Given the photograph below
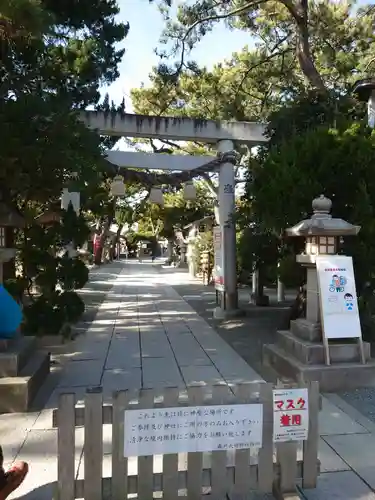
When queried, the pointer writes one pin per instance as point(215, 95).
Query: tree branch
point(300, 13)
point(210, 184)
point(216, 17)
point(264, 61)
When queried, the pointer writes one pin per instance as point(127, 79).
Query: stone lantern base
point(299, 355)
point(23, 371)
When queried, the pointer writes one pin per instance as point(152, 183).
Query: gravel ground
point(362, 399)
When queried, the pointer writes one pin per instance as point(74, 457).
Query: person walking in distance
point(11, 479)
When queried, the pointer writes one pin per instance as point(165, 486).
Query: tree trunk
point(170, 250)
point(99, 253)
point(9, 268)
point(300, 12)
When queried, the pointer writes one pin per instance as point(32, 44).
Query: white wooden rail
point(223, 474)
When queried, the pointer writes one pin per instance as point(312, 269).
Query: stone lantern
point(118, 186)
point(156, 196)
point(322, 233)
point(365, 92)
point(299, 352)
point(189, 193)
point(10, 219)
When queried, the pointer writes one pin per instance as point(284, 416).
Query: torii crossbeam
point(152, 161)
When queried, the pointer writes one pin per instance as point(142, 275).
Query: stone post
point(227, 226)
point(312, 295)
point(254, 282)
point(280, 287)
point(280, 291)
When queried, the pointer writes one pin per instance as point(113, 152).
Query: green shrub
point(16, 287)
point(43, 317)
point(72, 305)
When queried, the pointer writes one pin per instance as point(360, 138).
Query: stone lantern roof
point(363, 88)
point(322, 223)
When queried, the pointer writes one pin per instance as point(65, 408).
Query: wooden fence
point(223, 474)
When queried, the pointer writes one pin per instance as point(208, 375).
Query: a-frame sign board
point(338, 302)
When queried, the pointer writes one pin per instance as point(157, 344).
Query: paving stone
point(193, 357)
point(14, 431)
point(332, 421)
point(201, 375)
point(128, 342)
point(184, 342)
point(122, 331)
point(233, 379)
point(159, 371)
point(358, 451)
point(156, 349)
point(123, 359)
point(344, 485)
point(82, 373)
point(330, 461)
point(118, 380)
point(86, 349)
point(40, 450)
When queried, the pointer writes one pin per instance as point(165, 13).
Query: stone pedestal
point(23, 370)
point(299, 354)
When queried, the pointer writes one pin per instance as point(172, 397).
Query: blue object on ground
point(10, 315)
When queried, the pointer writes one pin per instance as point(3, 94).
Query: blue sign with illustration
point(10, 315)
point(338, 283)
point(349, 301)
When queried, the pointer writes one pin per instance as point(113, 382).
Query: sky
point(146, 25)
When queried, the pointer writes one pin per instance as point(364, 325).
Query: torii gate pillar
point(229, 303)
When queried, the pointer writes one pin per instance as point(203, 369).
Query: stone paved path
point(146, 335)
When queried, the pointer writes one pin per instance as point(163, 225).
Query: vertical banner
point(218, 259)
point(338, 297)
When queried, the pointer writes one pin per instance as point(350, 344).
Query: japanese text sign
point(162, 431)
point(338, 297)
point(218, 259)
point(290, 415)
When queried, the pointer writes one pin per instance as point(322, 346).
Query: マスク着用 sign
point(290, 415)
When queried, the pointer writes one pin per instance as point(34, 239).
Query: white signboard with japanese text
point(162, 431)
point(338, 297)
point(290, 415)
point(218, 259)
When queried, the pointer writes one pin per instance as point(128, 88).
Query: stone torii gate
point(224, 134)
